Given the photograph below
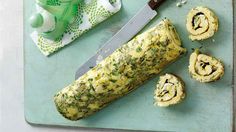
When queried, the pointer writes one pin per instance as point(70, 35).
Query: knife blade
point(127, 32)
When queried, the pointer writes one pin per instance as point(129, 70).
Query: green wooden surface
point(208, 107)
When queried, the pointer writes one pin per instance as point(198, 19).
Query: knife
point(142, 18)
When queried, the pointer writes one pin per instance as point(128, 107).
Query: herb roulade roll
point(205, 68)
point(202, 23)
point(120, 73)
point(169, 91)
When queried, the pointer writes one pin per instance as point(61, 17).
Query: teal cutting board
point(208, 106)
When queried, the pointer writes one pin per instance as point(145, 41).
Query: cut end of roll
point(202, 23)
point(205, 68)
point(120, 73)
point(169, 91)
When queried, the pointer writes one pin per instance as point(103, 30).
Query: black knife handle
point(154, 4)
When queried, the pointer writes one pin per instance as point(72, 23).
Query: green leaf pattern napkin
point(90, 13)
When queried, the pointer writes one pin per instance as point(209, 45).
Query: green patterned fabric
point(90, 13)
point(53, 2)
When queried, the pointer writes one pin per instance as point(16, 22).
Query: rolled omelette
point(205, 68)
point(120, 73)
point(169, 91)
point(202, 23)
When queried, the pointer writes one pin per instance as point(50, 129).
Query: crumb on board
point(178, 4)
point(99, 59)
point(181, 3)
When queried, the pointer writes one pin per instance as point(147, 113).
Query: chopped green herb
point(90, 79)
point(113, 80)
point(139, 49)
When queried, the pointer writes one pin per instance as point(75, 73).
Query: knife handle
point(154, 4)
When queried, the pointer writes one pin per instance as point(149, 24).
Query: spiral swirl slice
point(169, 91)
point(202, 23)
point(205, 68)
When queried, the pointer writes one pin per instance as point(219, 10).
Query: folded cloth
point(90, 13)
